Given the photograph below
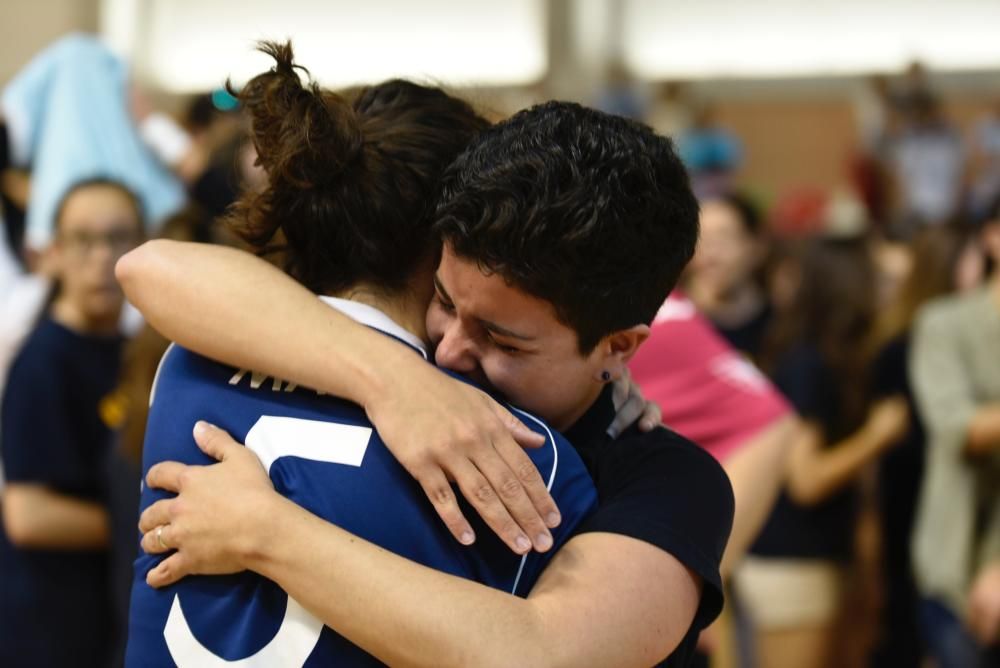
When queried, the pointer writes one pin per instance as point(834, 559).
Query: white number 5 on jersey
point(272, 438)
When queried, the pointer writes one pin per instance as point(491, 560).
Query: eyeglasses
point(82, 244)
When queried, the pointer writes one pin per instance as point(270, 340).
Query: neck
point(407, 310)
point(71, 316)
point(571, 419)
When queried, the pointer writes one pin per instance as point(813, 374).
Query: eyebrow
point(491, 326)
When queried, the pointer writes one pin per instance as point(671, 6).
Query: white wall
point(27, 26)
point(806, 38)
point(190, 45)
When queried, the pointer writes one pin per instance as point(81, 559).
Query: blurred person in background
point(711, 153)
point(794, 584)
point(621, 94)
point(55, 607)
point(945, 259)
point(68, 118)
point(984, 149)
point(927, 163)
point(125, 410)
point(670, 108)
point(874, 118)
point(711, 394)
point(955, 371)
point(724, 278)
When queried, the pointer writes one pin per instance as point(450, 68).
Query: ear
point(618, 348)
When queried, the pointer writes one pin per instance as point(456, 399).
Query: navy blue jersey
point(322, 453)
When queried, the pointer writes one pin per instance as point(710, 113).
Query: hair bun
point(305, 137)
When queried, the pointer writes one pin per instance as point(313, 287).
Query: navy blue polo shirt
point(55, 604)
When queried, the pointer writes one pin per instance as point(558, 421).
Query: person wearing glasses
point(54, 602)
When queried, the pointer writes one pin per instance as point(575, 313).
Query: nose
point(457, 350)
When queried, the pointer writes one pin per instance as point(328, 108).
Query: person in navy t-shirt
point(55, 607)
point(320, 451)
point(564, 229)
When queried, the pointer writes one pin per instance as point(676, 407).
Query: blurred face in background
point(97, 225)
point(894, 262)
point(970, 268)
point(728, 254)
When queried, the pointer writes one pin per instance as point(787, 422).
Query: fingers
point(167, 572)
point(520, 432)
point(158, 540)
point(534, 486)
point(214, 442)
point(507, 479)
point(159, 513)
point(627, 414)
point(168, 476)
point(652, 417)
point(439, 491)
point(486, 500)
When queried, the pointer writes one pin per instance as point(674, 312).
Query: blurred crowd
point(876, 315)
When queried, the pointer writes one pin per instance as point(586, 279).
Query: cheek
point(513, 379)
point(436, 321)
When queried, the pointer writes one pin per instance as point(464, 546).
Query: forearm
point(984, 431)
point(36, 517)
point(400, 611)
point(236, 308)
point(815, 472)
point(757, 473)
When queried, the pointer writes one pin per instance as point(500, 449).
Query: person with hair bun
point(346, 208)
point(563, 231)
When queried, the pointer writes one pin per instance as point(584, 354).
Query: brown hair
point(833, 310)
point(351, 179)
point(936, 251)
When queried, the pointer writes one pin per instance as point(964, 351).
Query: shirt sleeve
point(38, 444)
point(664, 490)
point(941, 385)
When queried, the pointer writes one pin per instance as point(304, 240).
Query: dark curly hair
point(588, 211)
point(351, 178)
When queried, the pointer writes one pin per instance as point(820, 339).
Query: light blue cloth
point(68, 119)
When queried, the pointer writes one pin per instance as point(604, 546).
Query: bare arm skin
point(984, 431)
point(815, 472)
point(404, 613)
point(757, 473)
point(36, 517)
point(983, 614)
point(236, 308)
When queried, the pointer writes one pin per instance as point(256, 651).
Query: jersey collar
point(376, 319)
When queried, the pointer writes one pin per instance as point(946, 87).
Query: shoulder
point(670, 462)
point(660, 483)
point(41, 356)
point(943, 319)
point(950, 310)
